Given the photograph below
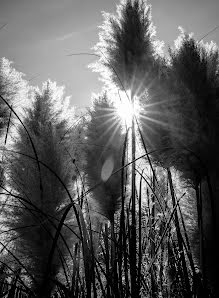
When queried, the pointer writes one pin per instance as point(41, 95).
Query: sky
point(38, 36)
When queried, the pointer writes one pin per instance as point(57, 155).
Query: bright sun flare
point(125, 108)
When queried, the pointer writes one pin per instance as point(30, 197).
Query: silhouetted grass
point(99, 262)
point(100, 258)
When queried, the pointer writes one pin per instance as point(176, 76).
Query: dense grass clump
point(95, 207)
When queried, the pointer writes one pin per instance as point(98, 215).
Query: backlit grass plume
point(35, 220)
point(126, 47)
point(195, 68)
point(103, 156)
point(182, 111)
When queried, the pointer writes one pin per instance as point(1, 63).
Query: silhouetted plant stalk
point(122, 249)
point(140, 234)
point(152, 237)
point(179, 238)
point(200, 227)
point(132, 243)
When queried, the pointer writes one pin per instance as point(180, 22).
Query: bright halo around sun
point(125, 109)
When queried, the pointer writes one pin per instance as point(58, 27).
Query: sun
point(126, 109)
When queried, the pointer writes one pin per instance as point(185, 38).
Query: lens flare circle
point(107, 168)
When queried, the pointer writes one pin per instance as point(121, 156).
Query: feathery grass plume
point(103, 155)
point(126, 47)
point(182, 113)
point(195, 67)
point(36, 222)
